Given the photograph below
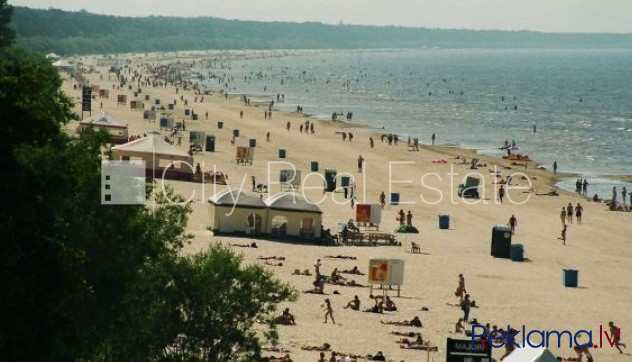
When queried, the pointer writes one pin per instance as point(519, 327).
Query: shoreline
point(556, 181)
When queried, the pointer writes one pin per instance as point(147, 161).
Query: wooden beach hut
point(233, 211)
point(290, 215)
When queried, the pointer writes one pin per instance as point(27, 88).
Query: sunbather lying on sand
point(354, 270)
point(274, 264)
point(285, 358)
point(415, 322)
point(341, 257)
point(272, 257)
point(405, 334)
point(253, 245)
point(419, 347)
point(275, 349)
point(324, 347)
point(407, 341)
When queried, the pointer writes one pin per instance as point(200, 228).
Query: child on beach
point(563, 237)
point(329, 311)
point(563, 216)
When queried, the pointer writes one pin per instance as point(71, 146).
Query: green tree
point(213, 309)
point(6, 32)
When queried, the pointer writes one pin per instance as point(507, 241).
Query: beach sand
point(530, 293)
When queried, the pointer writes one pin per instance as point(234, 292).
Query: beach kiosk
point(104, 121)
point(386, 272)
point(369, 215)
point(234, 211)
point(161, 158)
point(291, 216)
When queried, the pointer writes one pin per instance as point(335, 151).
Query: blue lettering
point(474, 335)
point(541, 333)
point(589, 333)
point(559, 338)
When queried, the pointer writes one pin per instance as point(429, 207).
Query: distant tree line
point(81, 32)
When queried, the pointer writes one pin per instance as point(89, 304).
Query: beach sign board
point(86, 98)
point(386, 271)
point(461, 350)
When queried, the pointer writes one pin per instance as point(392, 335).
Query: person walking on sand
point(350, 136)
point(401, 217)
point(579, 210)
point(585, 187)
point(241, 114)
point(513, 222)
point(615, 332)
point(300, 128)
point(460, 289)
point(614, 194)
point(433, 139)
point(569, 213)
point(466, 304)
point(329, 312)
point(563, 215)
point(265, 115)
point(344, 136)
point(383, 199)
point(288, 125)
point(501, 193)
point(555, 167)
point(409, 218)
point(317, 266)
point(267, 136)
point(563, 237)
point(371, 142)
point(360, 162)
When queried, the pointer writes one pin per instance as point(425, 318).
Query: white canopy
point(288, 201)
point(104, 119)
point(153, 144)
point(530, 354)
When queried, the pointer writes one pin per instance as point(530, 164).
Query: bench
point(415, 248)
point(375, 237)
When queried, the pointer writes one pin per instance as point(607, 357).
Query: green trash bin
point(330, 179)
point(501, 241)
point(210, 143)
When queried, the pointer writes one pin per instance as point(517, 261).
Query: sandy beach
point(527, 293)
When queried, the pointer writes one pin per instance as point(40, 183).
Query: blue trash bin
point(394, 198)
point(252, 142)
point(517, 252)
point(220, 124)
point(570, 277)
point(235, 133)
point(444, 221)
point(314, 166)
point(281, 153)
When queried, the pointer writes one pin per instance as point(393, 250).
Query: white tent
point(233, 211)
point(289, 214)
point(104, 121)
point(530, 354)
point(158, 156)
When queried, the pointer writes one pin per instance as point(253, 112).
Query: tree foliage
point(78, 276)
point(84, 33)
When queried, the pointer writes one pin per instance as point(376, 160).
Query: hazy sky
point(545, 15)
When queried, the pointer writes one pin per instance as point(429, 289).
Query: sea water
point(580, 101)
